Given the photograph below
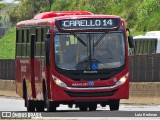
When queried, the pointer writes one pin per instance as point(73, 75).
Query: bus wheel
point(92, 107)
point(70, 105)
point(103, 104)
point(25, 94)
point(30, 104)
point(40, 106)
point(83, 107)
point(51, 106)
point(114, 104)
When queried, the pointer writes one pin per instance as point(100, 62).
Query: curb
point(7, 85)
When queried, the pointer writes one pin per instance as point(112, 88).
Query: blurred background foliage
point(140, 15)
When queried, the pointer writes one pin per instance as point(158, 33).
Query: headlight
point(59, 82)
point(122, 80)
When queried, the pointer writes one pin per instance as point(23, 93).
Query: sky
point(8, 1)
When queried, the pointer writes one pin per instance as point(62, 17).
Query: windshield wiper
point(100, 38)
point(79, 39)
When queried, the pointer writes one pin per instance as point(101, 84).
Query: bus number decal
point(23, 68)
point(109, 22)
point(94, 23)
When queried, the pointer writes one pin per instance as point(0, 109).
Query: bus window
point(154, 46)
point(74, 56)
point(137, 48)
point(145, 45)
point(19, 41)
point(38, 42)
point(141, 47)
point(27, 43)
point(71, 48)
point(66, 50)
point(24, 45)
point(44, 31)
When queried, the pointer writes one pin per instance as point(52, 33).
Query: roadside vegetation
point(141, 16)
point(7, 44)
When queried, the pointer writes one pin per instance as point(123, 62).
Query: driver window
point(71, 49)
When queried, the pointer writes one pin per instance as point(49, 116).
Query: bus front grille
point(91, 94)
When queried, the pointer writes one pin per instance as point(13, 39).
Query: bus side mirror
point(47, 42)
point(131, 41)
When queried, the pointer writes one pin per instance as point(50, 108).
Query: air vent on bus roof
point(62, 13)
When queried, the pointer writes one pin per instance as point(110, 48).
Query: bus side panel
point(19, 85)
point(23, 74)
point(38, 78)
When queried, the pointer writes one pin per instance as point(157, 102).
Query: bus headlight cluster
point(59, 82)
point(122, 80)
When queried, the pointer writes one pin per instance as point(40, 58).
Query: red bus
point(74, 58)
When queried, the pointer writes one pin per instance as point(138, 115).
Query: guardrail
point(7, 69)
point(143, 68)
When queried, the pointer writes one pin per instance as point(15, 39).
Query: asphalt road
point(126, 110)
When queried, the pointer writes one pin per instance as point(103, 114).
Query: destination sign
point(89, 23)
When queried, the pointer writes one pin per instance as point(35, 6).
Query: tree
point(27, 9)
point(2, 15)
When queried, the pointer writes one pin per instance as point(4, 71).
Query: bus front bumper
point(62, 92)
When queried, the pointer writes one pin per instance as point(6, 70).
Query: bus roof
point(149, 35)
point(49, 17)
point(58, 14)
point(145, 37)
point(153, 33)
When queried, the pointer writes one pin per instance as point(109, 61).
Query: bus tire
point(92, 107)
point(51, 106)
point(25, 94)
point(114, 105)
point(40, 106)
point(83, 107)
point(30, 104)
point(103, 104)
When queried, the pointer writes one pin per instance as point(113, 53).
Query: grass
point(7, 44)
point(135, 32)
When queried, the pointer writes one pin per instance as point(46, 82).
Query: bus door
point(47, 61)
point(36, 66)
point(32, 65)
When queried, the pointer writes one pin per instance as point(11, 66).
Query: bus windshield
point(89, 51)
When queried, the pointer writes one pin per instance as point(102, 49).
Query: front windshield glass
point(89, 51)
